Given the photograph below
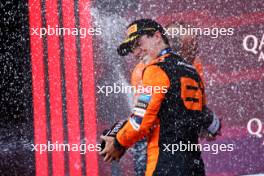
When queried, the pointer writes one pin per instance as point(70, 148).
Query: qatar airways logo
point(255, 128)
point(255, 46)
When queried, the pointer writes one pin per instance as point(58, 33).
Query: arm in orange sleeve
point(146, 108)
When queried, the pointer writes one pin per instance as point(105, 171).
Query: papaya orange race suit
point(168, 118)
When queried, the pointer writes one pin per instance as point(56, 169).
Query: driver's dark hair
point(163, 36)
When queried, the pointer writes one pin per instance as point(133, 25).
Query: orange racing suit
point(168, 117)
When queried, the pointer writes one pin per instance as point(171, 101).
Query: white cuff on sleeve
point(215, 125)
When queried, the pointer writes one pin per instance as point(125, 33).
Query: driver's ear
point(157, 35)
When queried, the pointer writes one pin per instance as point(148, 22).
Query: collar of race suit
point(166, 51)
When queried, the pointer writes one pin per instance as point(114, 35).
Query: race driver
point(176, 116)
point(186, 46)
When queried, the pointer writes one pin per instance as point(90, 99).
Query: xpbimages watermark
point(212, 32)
point(82, 148)
point(127, 89)
point(82, 32)
point(189, 147)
